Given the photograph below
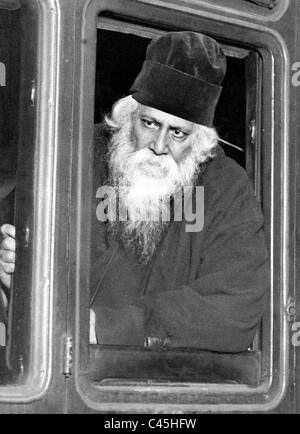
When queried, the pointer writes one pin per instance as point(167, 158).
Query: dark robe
point(205, 289)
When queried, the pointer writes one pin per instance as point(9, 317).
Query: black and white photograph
point(149, 185)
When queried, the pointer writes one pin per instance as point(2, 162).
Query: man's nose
point(159, 145)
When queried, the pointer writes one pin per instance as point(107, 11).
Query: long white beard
point(151, 181)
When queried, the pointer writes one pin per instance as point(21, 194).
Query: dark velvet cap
point(182, 75)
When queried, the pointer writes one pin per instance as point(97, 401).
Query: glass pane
point(18, 35)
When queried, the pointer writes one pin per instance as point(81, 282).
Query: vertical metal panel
point(253, 121)
point(295, 338)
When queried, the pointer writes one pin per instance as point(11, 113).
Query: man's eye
point(148, 124)
point(178, 134)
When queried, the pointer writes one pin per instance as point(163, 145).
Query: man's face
point(153, 154)
point(163, 134)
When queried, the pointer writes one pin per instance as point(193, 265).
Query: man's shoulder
point(226, 184)
point(224, 176)
point(224, 170)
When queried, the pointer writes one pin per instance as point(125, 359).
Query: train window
point(24, 164)
point(244, 123)
point(237, 106)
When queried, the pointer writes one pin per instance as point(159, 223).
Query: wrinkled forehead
point(165, 118)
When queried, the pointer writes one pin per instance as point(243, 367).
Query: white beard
point(151, 181)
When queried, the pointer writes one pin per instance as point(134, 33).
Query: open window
point(237, 121)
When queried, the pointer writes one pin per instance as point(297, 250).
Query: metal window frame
point(231, 8)
point(265, 3)
point(275, 137)
point(36, 383)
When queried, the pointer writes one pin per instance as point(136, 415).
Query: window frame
point(43, 96)
point(274, 53)
point(247, 10)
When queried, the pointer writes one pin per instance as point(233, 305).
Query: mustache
point(146, 157)
point(126, 162)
